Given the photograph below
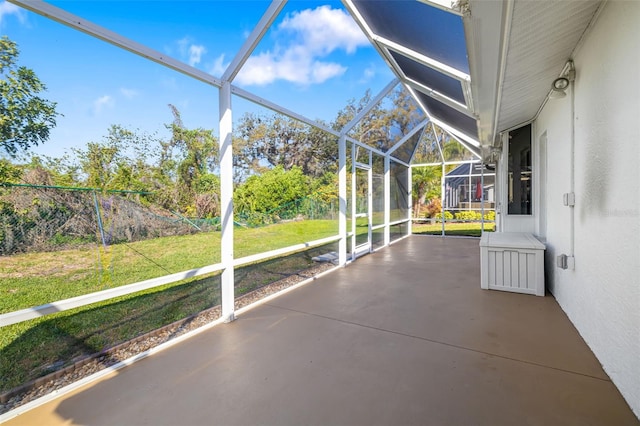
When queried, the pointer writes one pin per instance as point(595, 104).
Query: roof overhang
point(517, 49)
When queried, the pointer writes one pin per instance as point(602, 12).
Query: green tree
point(9, 172)
point(270, 190)
point(386, 123)
point(184, 174)
point(374, 128)
point(99, 163)
point(264, 142)
point(64, 171)
point(406, 113)
point(120, 161)
point(196, 148)
point(426, 184)
point(428, 150)
point(353, 107)
point(325, 187)
point(25, 118)
point(454, 151)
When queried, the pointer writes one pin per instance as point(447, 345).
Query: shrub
point(475, 216)
point(434, 207)
point(274, 188)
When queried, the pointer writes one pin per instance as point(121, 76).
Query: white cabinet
point(512, 261)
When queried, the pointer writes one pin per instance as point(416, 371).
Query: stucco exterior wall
point(602, 295)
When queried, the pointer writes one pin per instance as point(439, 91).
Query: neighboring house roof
point(461, 173)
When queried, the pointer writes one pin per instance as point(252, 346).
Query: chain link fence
point(46, 218)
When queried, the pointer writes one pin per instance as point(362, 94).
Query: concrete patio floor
point(402, 336)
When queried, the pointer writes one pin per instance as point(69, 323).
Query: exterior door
point(361, 226)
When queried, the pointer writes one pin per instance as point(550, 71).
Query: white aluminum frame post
point(226, 203)
point(342, 200)
point(387, 199)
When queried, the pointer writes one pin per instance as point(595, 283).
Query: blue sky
point(312, 61)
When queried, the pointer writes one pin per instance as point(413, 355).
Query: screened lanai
point(374, 179)
point(418, 108)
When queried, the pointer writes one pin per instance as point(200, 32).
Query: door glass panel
point(377, 189)
point(362, 207)
point(519, 180)
point(362, 186)
point(362, 155)
point(362, 231)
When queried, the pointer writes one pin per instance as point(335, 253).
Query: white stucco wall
point(602, 295)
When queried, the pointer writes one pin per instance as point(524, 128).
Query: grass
point(472, 229)
point(34, 279)
point(34, 348)
point(37, 347)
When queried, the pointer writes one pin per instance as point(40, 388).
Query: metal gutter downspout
point(508, 18)
point(572, 181)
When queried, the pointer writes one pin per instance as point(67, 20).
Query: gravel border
point(94, 363)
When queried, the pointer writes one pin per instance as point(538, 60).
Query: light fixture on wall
point(561, 83)
point(558, 88)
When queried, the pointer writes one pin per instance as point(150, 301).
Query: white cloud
point(368, 74)
point(7, 9)
point(195, 54)
point(183, 45)
point(323, 71)
point(128, 93)
point(219, 66)
point(323, 30)
point(103, 102)
point(300, 69)
point(188, 50)
point(308, 36)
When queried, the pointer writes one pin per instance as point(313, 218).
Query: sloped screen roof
point(429, 77)
point(406, 150)
point(452, 117)
point(424, 29)
point(426, 48)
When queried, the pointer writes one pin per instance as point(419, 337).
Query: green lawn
point(472, 229)
point(34, 348)
point(33, 279)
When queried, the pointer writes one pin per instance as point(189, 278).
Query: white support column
point(370, 202)
point(482, 198)
point(226, 202)
point(342, 197)
point(387, 199)
point(409, 201)
point(442, 179)
point(443, 194)
point(353, 202)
